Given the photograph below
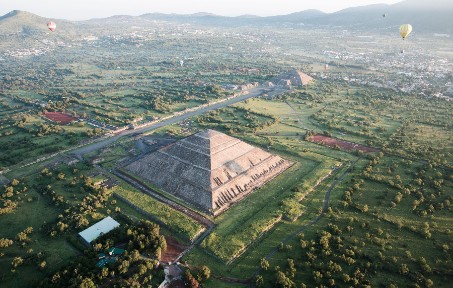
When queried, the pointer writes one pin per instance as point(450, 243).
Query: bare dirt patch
point(59, 117)
point(341, 144)
point(174, 248)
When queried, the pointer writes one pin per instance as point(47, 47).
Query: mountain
point(425, 16)
point(22, 22)
point(432, 16)
point(297, 17)
point(243, 20)
point(27, 25)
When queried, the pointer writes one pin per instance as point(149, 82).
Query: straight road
point(255, 92)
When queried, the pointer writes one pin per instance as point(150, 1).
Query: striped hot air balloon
point(405, 30)
point(51, 25)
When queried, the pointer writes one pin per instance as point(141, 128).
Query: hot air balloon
point(51, 25)
point(181, 62)
point(405, 30)
point(231, 48)
point(384, 15)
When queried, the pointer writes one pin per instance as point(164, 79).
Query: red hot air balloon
point(51, 25)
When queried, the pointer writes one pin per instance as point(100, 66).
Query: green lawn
point(185, 227)
point(56, 251)
point(238, 227)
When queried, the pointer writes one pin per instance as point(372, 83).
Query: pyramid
point(294, 78)
point(210, 170)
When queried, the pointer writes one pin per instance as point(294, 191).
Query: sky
point(87, 9)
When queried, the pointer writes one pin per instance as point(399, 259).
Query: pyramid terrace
point(210, 170)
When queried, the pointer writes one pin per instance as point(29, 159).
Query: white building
point(100, 228)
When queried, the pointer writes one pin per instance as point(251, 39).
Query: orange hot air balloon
point(51, 25)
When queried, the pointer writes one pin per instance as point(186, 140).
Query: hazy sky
point(86, 9)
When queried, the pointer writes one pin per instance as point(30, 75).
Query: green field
point(26, 137)
point(239, 227)
point(295, 116)
point(177, 222)
point(389, 214)
point(42, 211)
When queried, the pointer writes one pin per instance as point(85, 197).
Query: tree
point(365, 208)
point(429, 283)
point(17, 261)
point(259, 281)
point(404, 269)
point(283, 281)
point(14, 182)
point(142, 269)
point(205, 272)
point(22, 236)
point(5, 242)
point(190, 280)
point(42, 265)
point(291, 271)
point(264, 264)
point(87, 283)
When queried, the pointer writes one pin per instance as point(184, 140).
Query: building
point(209, 170)
point(173, 277)
point(292, 78)
point(112, 256)
point(100, 228)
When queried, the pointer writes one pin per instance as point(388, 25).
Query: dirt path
point(192, 214)
point(173, 251)
point(318, 218)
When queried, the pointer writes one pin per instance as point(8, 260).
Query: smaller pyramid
point(210, 169)
point(292, 78)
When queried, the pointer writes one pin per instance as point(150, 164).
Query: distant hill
point(295, 18)
point(25, 25)
point(243, 20)
point(434, 16)
point(22, 22)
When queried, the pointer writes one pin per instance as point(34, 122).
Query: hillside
point(425, 17)
point(28, 24)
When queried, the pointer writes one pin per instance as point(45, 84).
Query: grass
point(396, 233)
point(39, 211)
point(246, 265)
point(408, 126)
point(238, 227)
point(28, 143)
point(57, 252)
point(172, 219)
point(163, 193)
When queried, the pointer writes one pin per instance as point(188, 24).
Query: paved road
point(255, 92)
point(106, 141)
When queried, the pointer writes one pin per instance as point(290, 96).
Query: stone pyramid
point(294, 78)
point(210, 170)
